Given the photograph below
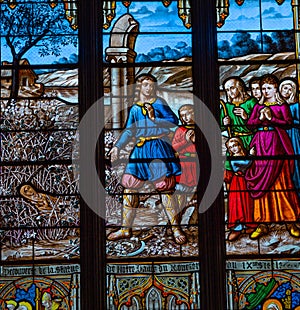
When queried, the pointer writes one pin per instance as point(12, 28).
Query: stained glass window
point(259, 104)
point(144, 61)
point(39, 194)
point(151, 172)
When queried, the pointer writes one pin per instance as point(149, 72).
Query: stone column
point(119, 53)
point(296, 13)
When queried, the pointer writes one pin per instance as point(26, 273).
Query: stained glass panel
point(263, 284)
point(154, 286)
point(153, 16)
point(40, 287)
point(259, 74)
point(261, 183)
point(39, 214)
point(256, 27)
point(36, 146)
point(37, 31)
point(44, 243)
point(146, 218)
point(151, 20)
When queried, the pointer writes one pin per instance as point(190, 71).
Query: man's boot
point(130, 204)
point(171, 207)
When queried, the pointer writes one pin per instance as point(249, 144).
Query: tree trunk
point(15, 84)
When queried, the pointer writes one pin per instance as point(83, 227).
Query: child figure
point(184, 145)
point(240, 203)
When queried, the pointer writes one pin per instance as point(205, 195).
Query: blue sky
point(246, 17)
point(154, 17)
point(33, 56)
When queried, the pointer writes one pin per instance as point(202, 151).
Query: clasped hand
point(265, 114)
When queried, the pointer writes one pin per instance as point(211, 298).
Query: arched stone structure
point(121, 50)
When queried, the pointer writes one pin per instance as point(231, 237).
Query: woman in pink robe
point(269, 179)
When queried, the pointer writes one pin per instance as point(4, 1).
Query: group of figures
point(46, 303)
point(164, 155)
point(262, 172)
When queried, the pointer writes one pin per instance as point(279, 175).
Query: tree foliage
point(242, 44)
point(35, 24)
point(166, 53)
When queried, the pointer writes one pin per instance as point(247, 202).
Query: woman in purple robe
point(269, 178)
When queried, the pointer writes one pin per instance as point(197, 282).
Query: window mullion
point(93, 291)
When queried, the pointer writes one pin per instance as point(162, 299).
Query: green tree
point(242, 44)
point(284, 40)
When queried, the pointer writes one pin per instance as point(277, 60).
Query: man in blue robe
point(152, 158)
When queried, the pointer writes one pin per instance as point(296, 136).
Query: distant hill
point(179, 78)
point(247, 71)
point(59, 78)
